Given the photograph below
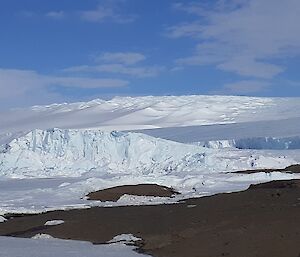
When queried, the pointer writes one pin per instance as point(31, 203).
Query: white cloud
point(201, 8)
point(56, 15)
point(242, 36)
point(118, 69)
point(108, 11)
point(79, 82)
point(193, 29)
point(192, 8)
point(97, 15)
point(251, 67)
point(208, 53)
point(176, 68)
point(18, 82)
point(245, 87)
point(26, 14)
point(127, 58)
point(30, 86)
point(126, 63)
point(102, 13)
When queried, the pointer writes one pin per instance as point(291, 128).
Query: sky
point(77, 50)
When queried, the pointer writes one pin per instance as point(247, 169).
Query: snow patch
point(26, 247)
point(124, 238)
point(42, 236)
point(53, 222)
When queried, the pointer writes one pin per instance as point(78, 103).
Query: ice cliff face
point(57, 152)
point(73, 152)
point(285, 143)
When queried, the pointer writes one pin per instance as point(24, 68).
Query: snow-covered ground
point(123, 113)
point(46, 168)
point(52, 156)
point(38, 195)
point(55, 168)
point(49, 247)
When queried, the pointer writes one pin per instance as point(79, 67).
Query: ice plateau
point(148, 112)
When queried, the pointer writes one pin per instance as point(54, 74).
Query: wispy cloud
point(97, 15)
point(19, 85)
point(127, 58)
point(56, 15)
point(10, 78)
point(103, 13)
point(81, 82)
point(118, 69)
point(106, 12)
point(191, 29)
point(25, 14)
point(243, 87)
point(246, 87)
point(244, 37)
point(199, 8)
point(250, 67)
point(126, 63)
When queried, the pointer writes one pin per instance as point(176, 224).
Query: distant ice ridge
point(273, 143)
point(59, 152)
point(133, 113)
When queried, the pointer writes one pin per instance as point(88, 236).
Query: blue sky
point(71, 50)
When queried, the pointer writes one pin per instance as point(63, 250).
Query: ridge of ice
point(274, 143)
point(59, 152)
point(128, 113)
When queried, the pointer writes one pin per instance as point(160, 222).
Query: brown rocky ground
point(263, 221)
point(290, 169)
point(114, 193)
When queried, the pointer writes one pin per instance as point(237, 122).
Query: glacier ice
point(273, 143)
point(63, 152)
point(73, 152)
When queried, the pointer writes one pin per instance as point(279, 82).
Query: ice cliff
point(58, 152)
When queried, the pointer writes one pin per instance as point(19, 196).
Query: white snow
point(71, 153)
point(46, 169)
point(282, 129)
point(124, 238)
point(53, 222)
point(39, 195)
point(49, 247)
point(189, 143)
point(254, 143)
point(42, 236)
point(127, 113)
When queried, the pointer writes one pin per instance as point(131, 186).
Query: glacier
point(52, 156)
point(274, 143)
point(149, 112)
point(63, 152)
